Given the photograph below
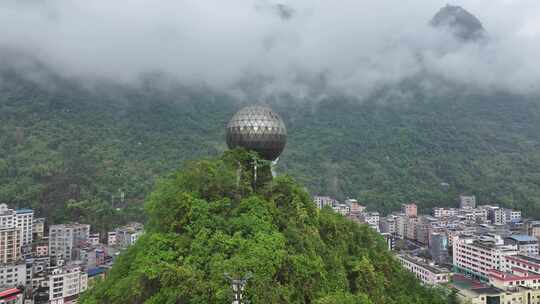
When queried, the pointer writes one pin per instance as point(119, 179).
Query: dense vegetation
point(71, 151)
point(204, 222)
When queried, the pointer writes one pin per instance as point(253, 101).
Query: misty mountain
point(460, 22)
point(74, 152)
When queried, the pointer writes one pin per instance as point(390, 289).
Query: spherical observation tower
point(259, 129)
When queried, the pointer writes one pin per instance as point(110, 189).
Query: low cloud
point(303, 46)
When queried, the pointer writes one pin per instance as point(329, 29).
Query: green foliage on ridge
point(62, 145)
point(204, 222)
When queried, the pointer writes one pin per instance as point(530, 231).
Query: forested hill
point(204, 224)
point(62, 144)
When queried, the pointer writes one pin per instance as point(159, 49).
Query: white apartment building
point(478, 257)
point(444, 212)
point(323, 201)
point(12, 275)
point(412, 229)
point(467, 202)
point(371, 218)
point(25, 222)
point(496, 215)
point(428, 274)
point(409, 209)
point(342, 209)
point(128, 234)
point(388, 224)
point(401, 225)
point(512, 216)
point(64, 238)
point(111, 238)
point(66, 283)
point(526, 244)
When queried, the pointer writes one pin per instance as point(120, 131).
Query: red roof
point(9, 292)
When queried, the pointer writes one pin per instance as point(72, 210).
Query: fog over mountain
point(351, 47)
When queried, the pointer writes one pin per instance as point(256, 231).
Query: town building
point(444, 212)
point(467, 202)
point(66, 283)
point(39, 228)
point(477, 256)
point(12, 275)
point(387, 224)
point(323, 201)
point(438, 247)
point(10, 236)
point(111, 238)
point(512, 216)
point(526, 244)
point(25, 222)
point(371, 219)
point(127, 235)
point(410, 210)
point(428, 273)
point(63, 239)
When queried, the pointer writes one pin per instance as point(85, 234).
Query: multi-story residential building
point(496, 215)
point(93, 239)
point(355, 207)
point(128, 234)
point(478, 256)
point(512, 216)
point(111, 238)
point(428, 274)
point(411, 210)
point(10, 236)
point(477, 215)
point(493, 295)
point(438, 247)
point(342, 209)
point(66, 283)
point(64, 238)
point(371, 219)
point(401, 225)
point(25, 221)
point(41, 248)
point(39, 228)
point(411, 231)
point(12, 275)
point(388, 224)
point(444, 212)
point(467, 202)
point(323, 201)
point(526, 244)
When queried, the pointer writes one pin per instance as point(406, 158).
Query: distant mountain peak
point(460, 22)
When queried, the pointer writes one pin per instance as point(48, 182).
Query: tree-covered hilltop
point(71, 151)
point(204, 222)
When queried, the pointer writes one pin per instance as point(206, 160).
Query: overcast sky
point(353, 45)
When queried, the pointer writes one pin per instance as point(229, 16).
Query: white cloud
point(354, 45)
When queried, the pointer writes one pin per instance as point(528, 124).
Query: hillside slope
point(96, 150)
point(204, 224)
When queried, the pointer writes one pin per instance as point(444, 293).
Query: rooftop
point(523, 238)
point(24, 211)
point(431, 268)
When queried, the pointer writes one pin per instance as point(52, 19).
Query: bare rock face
point(464, 25)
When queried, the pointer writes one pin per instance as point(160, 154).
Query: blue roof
point(95, 271)
point(24, 210)
point(523, 238)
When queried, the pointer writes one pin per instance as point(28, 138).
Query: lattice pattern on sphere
point(259, 129)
